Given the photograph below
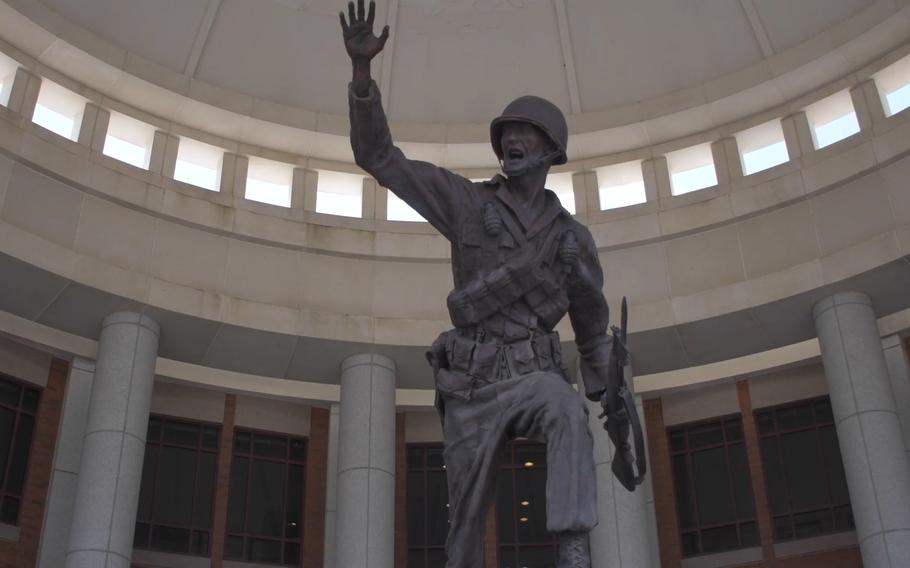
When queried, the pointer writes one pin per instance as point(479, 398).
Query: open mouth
point(515, 154)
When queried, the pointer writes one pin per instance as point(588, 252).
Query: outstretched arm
point(437, 194)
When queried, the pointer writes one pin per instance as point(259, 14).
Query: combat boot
point(573, 550)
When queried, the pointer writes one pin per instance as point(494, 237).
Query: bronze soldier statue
point(519, 262)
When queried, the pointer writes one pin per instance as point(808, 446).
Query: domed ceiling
point(460, 61)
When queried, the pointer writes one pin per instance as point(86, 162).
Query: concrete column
point(656, 176)
point(234, 169)
point(107, 493)
point(365, 524)
point(797, 135)
point(587, 196)
point(93, 129)
point(303, 189)
point(899, 373)
point(727, 163)
point(58, 515)
point(331, 489)
point(372, 203)
point(623, 538)
point(23, 95)
point(867, 103)
point(163, 159)
point(868, 429)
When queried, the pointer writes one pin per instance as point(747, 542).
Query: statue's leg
point(474, 437)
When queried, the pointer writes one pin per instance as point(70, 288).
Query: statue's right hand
point(358, 32)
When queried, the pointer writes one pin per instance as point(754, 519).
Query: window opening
point(339, 193)
point(713, 486)
point(807, 487)
point(398, 210)
point(762, 147)
point(266, 498)
point(521, 508)
point(59, 110)
point(620, 185)
point(691, 169)
point(129, 140)
point(7, 75)
point(561, 185)
point(893, 83)
point(428, 506)
point(178, 487)
point(18, 408)
point(832, 119)
point(198, 164)
point(269, 182)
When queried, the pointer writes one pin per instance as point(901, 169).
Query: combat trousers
point(540, 406)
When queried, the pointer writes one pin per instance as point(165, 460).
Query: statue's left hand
point(359, 40)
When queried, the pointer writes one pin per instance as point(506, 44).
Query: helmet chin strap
point(529, 166)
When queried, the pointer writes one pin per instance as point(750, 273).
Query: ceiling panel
point(160, 30)
point(628, 51)
point(790, 22)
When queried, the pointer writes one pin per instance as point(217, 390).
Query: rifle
point(621, 415)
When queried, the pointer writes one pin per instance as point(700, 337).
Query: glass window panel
point(154, 431)
point(141, 536)
point(147, 485)
point(536, 557)
point(712, 486)
point(173, 501)
point(205, 490)
point(836, 130)
point(265, 509)
point(270, 446)
point(416, 515)
point(437, 508)
point(30, 400)
point(210, 438)
point(436, 558)
point(507, 557)
point(834, 465)
point(705, 435)
point(415, 458)
point(291, 553)
point(181, 433)
point(748, 534)
point(530, 455)
point(237, 499)
point(678, 440)
point(398, 210)
point(530, 486)
point(718, 539)
point(733, 430)
point(783, 529)
point(505, 507)
point(804, 470)
point(7, 424)
point(242, 442)
point(294, 506)
point(823, 411)
point(765, 158)
point(843, 518)
point(200, 543)
point(794, 417)
point(9, 393)
point(170, 539)
point(765, 422)
point(298, 449)
point(685, 506)
point(898, 100)
point(263, 550)
point(233, 547)
point(434, 457)
point(416, 559)
point(814, 523)
point(9, 511)
point(690, 544)
point(774, 475)
point(742, 483)
point(19, 457)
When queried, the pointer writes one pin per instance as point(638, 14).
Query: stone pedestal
point(868, 429)
point(110, 470)
point(365, 525)
point(624, 537)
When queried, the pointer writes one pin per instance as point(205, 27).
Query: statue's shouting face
point(523, 146)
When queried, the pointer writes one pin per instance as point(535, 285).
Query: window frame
point(18, 410)
point(738, 519)
point(160, 443)
point(510, 466)
point(814, 426)
point(425, 469)
point(287, 461)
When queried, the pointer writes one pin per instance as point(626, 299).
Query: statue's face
point(522, 144)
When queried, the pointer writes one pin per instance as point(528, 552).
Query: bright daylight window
point(832, 119)
point(762, 147)
point(620, 185)
point(561, 185)
point(59, 110)
point(691, 169)
point(398, 210)
point(129, 140)
point(339, 194)
point(893, 84)
point(7, 75)
point(198, 164)
point(269, 182)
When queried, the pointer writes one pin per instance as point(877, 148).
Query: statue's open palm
point(358, 32)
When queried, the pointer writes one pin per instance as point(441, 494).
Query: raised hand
point(359, 40)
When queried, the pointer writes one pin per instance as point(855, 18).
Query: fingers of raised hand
point(372, 14)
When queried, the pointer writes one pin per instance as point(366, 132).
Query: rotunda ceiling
point(461, 61)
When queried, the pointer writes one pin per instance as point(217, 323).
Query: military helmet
point(536, 111)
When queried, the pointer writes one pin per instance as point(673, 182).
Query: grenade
point(568, 249)
point(492, 222)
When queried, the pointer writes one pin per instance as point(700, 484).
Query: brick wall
point(662, 482)
point(24, 553)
